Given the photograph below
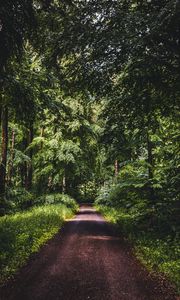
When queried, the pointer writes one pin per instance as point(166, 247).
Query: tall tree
point(4, 146)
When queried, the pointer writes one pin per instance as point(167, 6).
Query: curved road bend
point(86, 260)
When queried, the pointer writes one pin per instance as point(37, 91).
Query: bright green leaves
point(24, 233)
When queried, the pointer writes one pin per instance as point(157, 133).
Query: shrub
point(155, 244)
point(56, 198)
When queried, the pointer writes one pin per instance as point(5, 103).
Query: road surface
point(86, 260)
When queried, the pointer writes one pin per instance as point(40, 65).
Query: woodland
point(89, 112)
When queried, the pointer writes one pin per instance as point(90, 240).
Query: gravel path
point(85, 260)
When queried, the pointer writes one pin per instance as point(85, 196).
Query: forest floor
point(87, 259)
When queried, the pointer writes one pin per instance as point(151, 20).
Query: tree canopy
point(85, 84)
point(89, 109)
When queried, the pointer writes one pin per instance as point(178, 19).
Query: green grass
point(158, 252)
point(24, 233)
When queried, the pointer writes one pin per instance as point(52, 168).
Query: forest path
point(85, 260)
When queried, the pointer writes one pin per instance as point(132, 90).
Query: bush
point(152, 227)
point(103, 197)
point(16, 200)
point(87, 192)
point(155, 244)
point(6, 206)
point(21, 199)
point(56, 198)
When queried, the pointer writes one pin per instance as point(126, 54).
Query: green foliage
point(12, 31)
point(21, 198)
point(87, 192)
point(24, 233)
point(103, 196)
point(107, 91)
point(16, 200)
point(6, 206)
point(128, 187)
point(57, 198)
point(153, 230)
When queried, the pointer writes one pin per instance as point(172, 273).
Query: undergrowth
point(158, 252)
point(25, 232)
point(153, 230)
point(147, 213)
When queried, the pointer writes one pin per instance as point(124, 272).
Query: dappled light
point(89, 149)
point(86, 259)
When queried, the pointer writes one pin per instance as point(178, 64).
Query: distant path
point(85, 261)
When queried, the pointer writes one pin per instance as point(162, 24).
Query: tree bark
point(149, 157)
point(0, 113)
point(23, 167)
point(10, 170)
point(64, 183)
point(29, 174)
point(42, 135)
point(150, 167)
point(116, 167)
point(4, 148)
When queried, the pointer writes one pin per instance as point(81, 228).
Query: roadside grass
point(25, 232)
point(158, 252)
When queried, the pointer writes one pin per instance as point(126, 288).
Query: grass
point(158, 252)
point(24, 233)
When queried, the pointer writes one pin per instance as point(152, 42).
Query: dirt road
point(85, 261)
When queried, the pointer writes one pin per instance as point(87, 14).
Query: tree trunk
point(149, 157)
point(116, 167)
point(10, 170)
point(42, 135)
point(64, 183)
point(0, 113)
point(29, 174)
point(4, 148)
point(150, 167)
point(23, 167)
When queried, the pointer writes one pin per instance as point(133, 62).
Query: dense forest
point(89, 110)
